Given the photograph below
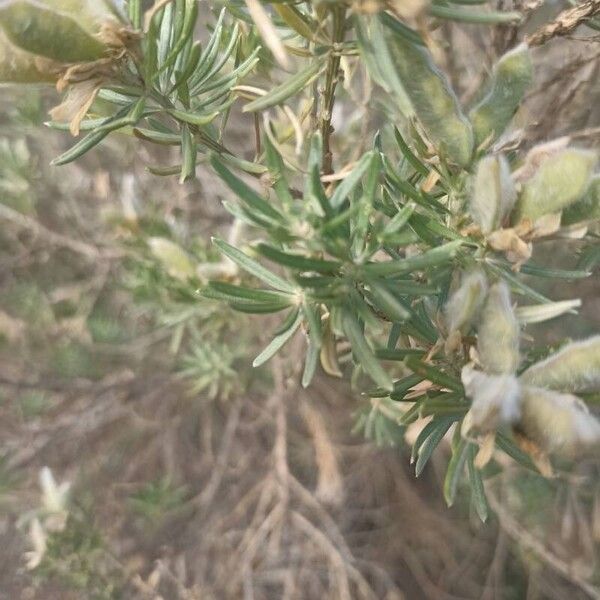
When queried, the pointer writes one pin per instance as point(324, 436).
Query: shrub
point(402, 249)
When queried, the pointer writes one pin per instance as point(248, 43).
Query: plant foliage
point(408, 261)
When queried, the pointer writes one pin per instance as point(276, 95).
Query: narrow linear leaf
point(477, 488)
point(545, 312)
point(351, 181)
point(439, 429)
point(436, 256)
point(278, 341)
point(188, 155)
point(244, 192)
point(254, 268)
point(455, 471)
point(432, 374)
point(363, 352)
point(296, 261)
point(288, 88)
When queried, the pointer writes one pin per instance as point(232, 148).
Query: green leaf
point(398, 354)
point(227, 291)
point(412, 159)
point(477, 488)
point(434, 375)
point(313, 318)
point(299, 22)
point(375, 51)
point(252, 267)
point(80, 148)
point(434, 257)
point(439, 428)
point(404, 385)
point(301, 263)
point(187, 29)
point(134, 9)
point(314, 187)
point(279, 340)
point(209, 55)
point(277, 172)
point(157, 137)
point(508, 446)
point(188, 154)
point(530, 268)
point(384, 300)
point(589, 258)
point(399, 220)
point(369, 161)
point(245, 193)
point(455, 470)
point(193, 118)
point(287, 89)
point(522, 288)
point(363, 352)
point(544, 312)
point(310, 364)
point(315, 336)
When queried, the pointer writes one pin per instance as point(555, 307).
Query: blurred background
point(128, 406)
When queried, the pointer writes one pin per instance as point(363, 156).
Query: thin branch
point(331, 80)
point(565, 22)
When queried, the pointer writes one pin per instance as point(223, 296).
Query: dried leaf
point(267, 31)
point(76, 104)
point(508, 241)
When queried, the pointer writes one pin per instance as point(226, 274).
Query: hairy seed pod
point(561, 179)
point(558, 423)
point(463, 306)
point(53, 30)
point(495, 401)
point(174, 259)
point(586, 209)
point(18, 66)
point(575, 368)
point(510, 79)
point(498, 332)
point(493, 193)
point(434, 101)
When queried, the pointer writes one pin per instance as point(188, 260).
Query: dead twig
point(565, 22)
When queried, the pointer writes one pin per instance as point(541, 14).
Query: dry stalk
point(567, 21)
